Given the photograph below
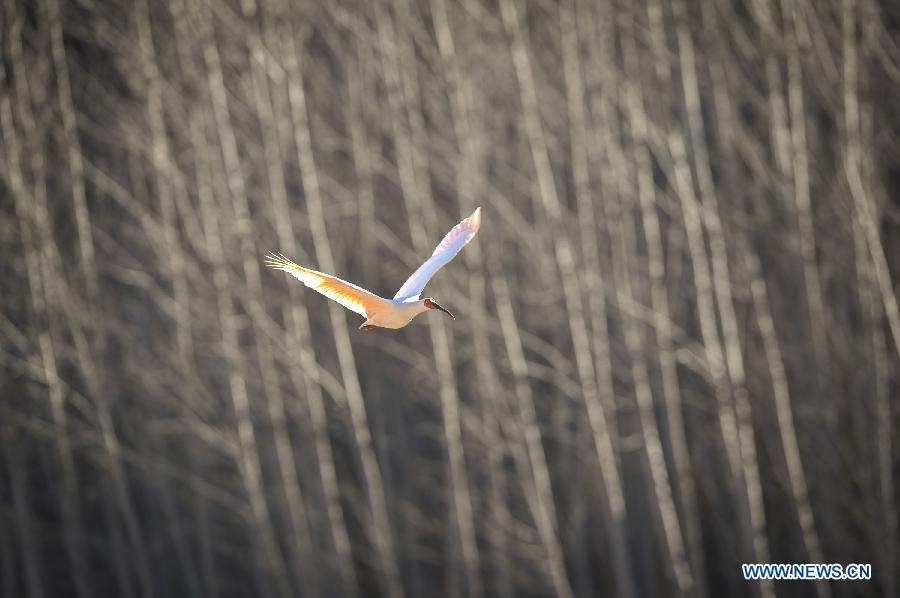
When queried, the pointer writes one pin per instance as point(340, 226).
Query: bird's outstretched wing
point(347, 294)
point(453, 241)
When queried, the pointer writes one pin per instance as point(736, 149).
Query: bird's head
point(432, 304)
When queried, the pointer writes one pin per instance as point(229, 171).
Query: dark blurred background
point(678, 333)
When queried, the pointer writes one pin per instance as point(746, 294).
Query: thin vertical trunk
point(885, 430)
point(862, 201)
point(580, 130)
point(299, 341)
point(381, 528)
point(871, 308)
point(659, 478)
point(788, 141)
point(90, 346)
point(572, 292)
point(711, 287)
point(802, 194)
point(865, 226)
point(532, 463)
point(213, 251)
point(160, 158)
point(721, 283)
point(662, 322)
point(359, 85)
point(468, 181)
point(53, 12)
point(201, 508)
point(584, 129)
point(783, 411)
point(164, 177)
point(303, 564)
point(70, 501)
point(361, 89)
point(262, 538)
point(270, 560)
point(544, 507)
point(724, 114)
point(403, 95)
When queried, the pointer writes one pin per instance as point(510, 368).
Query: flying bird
point(378, 311)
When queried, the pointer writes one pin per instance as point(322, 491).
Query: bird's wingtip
point(476, 218)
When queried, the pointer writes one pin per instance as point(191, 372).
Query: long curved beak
point(446, 311)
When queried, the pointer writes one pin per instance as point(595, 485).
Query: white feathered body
point(396, 313)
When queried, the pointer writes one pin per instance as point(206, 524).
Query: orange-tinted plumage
point(347, 294)
point(406, 304)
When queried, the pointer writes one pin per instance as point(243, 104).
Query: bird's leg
point(367, 327)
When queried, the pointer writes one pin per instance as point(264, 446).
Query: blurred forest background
point(677, 345)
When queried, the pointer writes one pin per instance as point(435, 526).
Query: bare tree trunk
point(783, 411)
point(303, 563)
point(881, 362)
point(544, 509)
point(469, 181)
point(865, 227)
point(659, 477)
point(765, 322)
point(684, 473)
point(268, 557)
point(188, 61)
point(404, 97)
point(212, 240)
point(585, 158)
point(710, 286)
point(87, 354)
point(853, 155)
point(384, 545)
point(176, 262)
point(802, 195)
point(38, 277)
point(572, 293)
point(871, 307)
